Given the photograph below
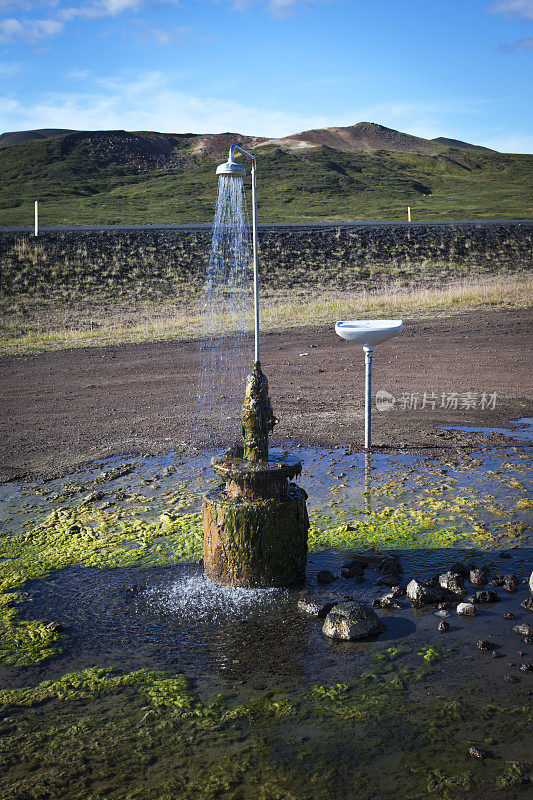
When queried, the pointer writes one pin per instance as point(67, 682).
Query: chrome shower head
point(231, 168)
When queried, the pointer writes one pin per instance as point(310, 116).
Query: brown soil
point(59, 410)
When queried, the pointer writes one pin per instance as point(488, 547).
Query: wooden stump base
point(255, 543)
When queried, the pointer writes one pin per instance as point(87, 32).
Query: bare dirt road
point(59, 410)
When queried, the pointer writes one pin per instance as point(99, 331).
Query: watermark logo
point(385, 400)
point(432, 401)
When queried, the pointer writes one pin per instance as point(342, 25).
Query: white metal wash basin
point(368, 332)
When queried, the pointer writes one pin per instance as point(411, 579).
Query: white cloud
point(523, 9)
point(29, 30)
point(149, 103)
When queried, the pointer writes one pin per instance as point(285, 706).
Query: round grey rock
point(351, 621)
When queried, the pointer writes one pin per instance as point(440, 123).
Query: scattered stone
point(325, 576)
point(445, 606)
point(453, 582)
point(93, 497)
point(56, 627)
point(443, 626)
point(524, 629)
point(478, 577)
point(442, 613)
point(510, 583)
point(397, 591)
point(504, 554)
point(498, 580)
point(484, 644)
point(352, 621)
point(116, 472)
point(467, 609)
point(526, 667)
point(495, 654)
point(511, 679)
point(508, 615)
point(486, 596)
point(421, 593)
point(471, 598)
point(319, 605)
point(389, 566)
point(475, 752)
point(389, 603)
point(528, 640)
point(355, 571)
point(527, 604)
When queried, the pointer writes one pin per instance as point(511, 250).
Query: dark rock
point(389, 566)
point(510, 578)
point(471, 598)
point(453, 582)
point(504, 554)
point(526, 667)
point(353, 572)
point(486, 596)
point(376, 603)
point(524, 629)
point(445, 606)
point(432, 582)
point(495, 654)
point(460, 568)
point(510, 679)
point(510, 586)
point(93, 497)
point(443, 626)
point(387, 580)
point(508, 615)
point(319, 605)
point(352, 621)
point(484, 644)
point(360, 562)
point(325, 576)
point(56, 627)
point(475, 752)
point(498, 580)
point(478, 577)
point(527, 604)
point(528, 640)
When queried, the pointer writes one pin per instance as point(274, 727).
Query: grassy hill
point(113, 177)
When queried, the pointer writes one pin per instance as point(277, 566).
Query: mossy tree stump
point(256, 523)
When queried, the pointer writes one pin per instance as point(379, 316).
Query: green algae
point(97, 735)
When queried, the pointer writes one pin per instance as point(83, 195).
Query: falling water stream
point(226, 348)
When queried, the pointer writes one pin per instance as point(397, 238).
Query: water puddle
point(111, 553)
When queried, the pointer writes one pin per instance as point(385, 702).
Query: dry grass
point(46, 328)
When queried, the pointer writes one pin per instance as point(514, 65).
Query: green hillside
point(113, 177)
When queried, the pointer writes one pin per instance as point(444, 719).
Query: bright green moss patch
point(385, 529)
point(94, 538)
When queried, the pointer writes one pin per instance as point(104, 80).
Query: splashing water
point(198, 599)
point(226, 347)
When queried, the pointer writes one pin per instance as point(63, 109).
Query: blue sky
point(461, 69)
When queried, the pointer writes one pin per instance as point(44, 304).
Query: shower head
point(231, 168)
